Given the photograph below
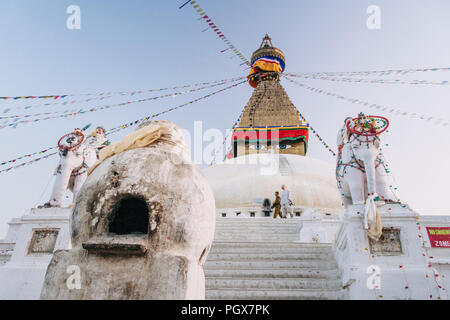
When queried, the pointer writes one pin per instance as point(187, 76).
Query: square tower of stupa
point(269, 121)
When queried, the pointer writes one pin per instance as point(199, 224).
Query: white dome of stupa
point(238, 182)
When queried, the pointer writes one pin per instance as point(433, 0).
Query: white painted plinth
point(406, 275)
point(316, 229)
point(23, 275)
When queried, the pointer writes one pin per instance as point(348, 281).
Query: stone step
point(272, 283)
point(257, 239)
point(255, 236)
point(270, 264)
point(280, 241)
point(273, 256)
point(270, 224)
point(258, 229)
point(257, 233)
point(258, 220)
point(299, 245)
point(272, 273)
point(269, 221)
point(285, 294)
point(274, 248)
point(260, 258)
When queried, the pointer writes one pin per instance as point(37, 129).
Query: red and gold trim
point(252, 134)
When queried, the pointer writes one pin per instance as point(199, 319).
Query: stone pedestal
point(31, 241)
point(312, 229)
point(395, 267)
point(141, 229)
point(317, 227)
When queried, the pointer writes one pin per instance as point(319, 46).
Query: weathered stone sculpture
point(142, 225)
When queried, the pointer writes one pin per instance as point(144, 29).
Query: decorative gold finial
point(265, 42)
point(267, 49)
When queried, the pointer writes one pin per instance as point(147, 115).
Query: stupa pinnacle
point(269, 121)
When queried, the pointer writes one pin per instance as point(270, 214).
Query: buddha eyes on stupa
point(257, 147)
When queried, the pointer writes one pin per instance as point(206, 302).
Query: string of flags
point(124, 126)
point(226, 139)
point(116, 129)
point(322, 141)
point(28, 162)
point(35, 153)
point(27, 156)
point(106, 95)
point(398, 112)
point(379, 72)
point(80, 111)
point(75, 112)
point(376, 81)
point(35, 97)
point(220, 34)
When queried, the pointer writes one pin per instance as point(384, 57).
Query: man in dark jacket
point(277, 205)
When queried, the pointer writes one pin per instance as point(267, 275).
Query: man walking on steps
point(285, 203)
point(276, 204)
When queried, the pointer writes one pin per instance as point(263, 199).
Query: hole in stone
point(224, 215)
point(130, 216)
point(252, 214)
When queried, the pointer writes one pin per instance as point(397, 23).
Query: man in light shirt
point(285, 202)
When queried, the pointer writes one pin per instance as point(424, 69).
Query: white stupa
point(239, 183)
point(269, 146)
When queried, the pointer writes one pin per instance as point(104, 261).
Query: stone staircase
point(258, 258)
point(285, 168)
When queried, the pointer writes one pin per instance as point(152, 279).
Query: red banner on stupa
point(272, 133)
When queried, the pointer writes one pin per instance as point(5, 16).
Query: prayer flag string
point(116, 129)
point(75, 112)
point(108, 94)
point(27, 156)
point(398, 112)
point(207, 19)
point(322, 141)
point(225, 140)
point(379, 72)
point(373, 81)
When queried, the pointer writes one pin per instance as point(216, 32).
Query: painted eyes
point(257, 147)
point(262, 147)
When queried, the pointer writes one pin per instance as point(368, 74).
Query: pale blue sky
point(127, 45)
